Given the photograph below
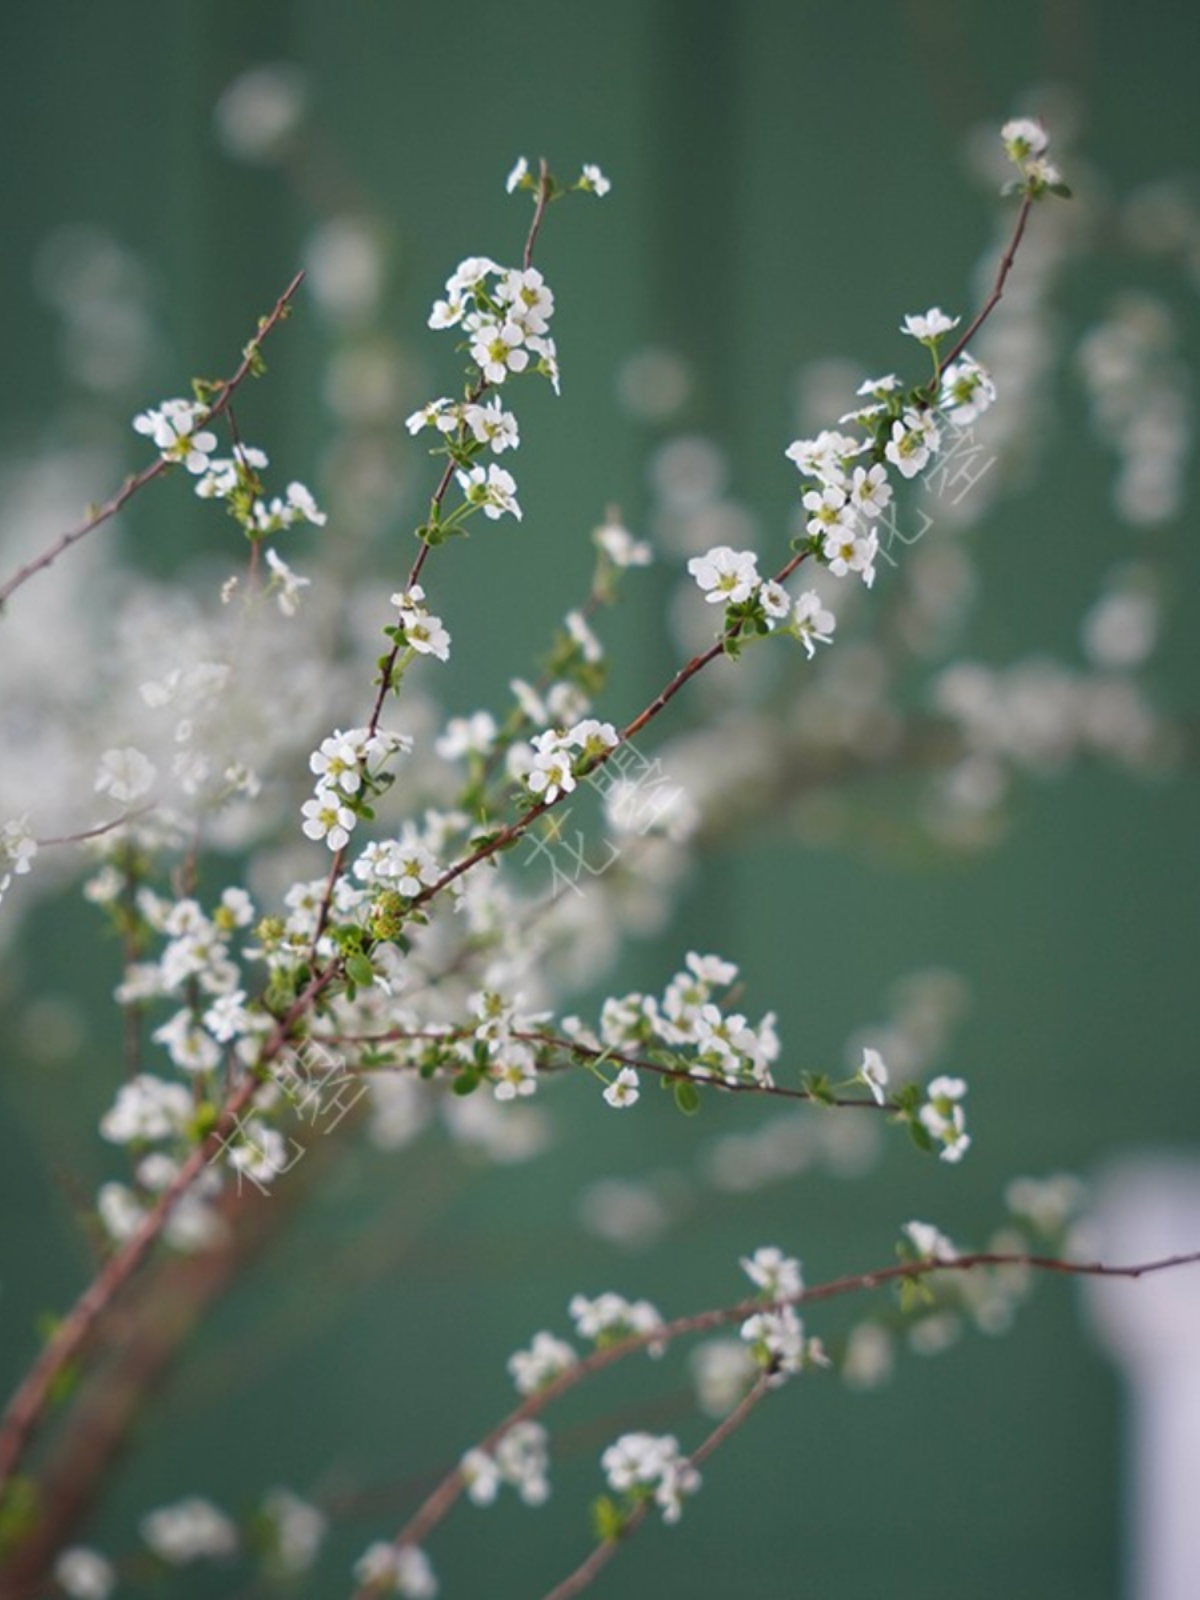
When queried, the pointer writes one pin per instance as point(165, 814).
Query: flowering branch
point(443, 1497)
point(31, 1398)
point(576, 1582)
point(251, 363)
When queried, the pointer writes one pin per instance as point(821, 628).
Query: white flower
point(645, 1460)
point(812, 623)
point(300, 504)
point(442, 414)
point(967, 391)
point(299, 1530)
point(517, 175)
point(914, 439)
point(610, 1317)
point(943, 1117)
point(929, 1241)
point(286, 584)
point(146, 1108)
point(469, 273)
point(187, 1044)
point(621, 548)
point(189, 1530)
point(492, 425)
point(776, 1340)
point(326, 817)
point(775, 601)
point(18, 847)
point(338, 762)
point(498, 348)
point(473, 735)
point(829, 511)
point(623, 1090)
point(874, 1074)
point(850, 551)
point(176, 430)
point(529, 299)
point(124, 774)
point(1023, 139)
point(84, 1574)
point(870, 490)
point(594, 180)
point(826, 456)
point(513, 1072)
point(550, 774)
point(493, 489)
point(481, 1475)
point(426, 634)
point(728, 576)
point(408, 1570)
point(594, 738)
point(929, 327)
point(546, 1359)
point(777, 1275)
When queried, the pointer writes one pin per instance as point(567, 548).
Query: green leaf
point(359, 969)
point(466, 1083)
point(687, 1096)
point(608, 1519)
point(818, 1088)
point(919, 1135)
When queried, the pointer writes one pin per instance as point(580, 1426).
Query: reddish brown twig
point(139, 480)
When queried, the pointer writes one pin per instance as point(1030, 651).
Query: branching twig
point(28, 1404)
point(442, 1499)
point(139, 480)
point(576, 1582)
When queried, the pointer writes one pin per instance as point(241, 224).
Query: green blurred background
point(789, 178)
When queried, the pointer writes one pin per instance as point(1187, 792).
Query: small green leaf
point(687, 1096)
point(608, 1520)
point(359, 969)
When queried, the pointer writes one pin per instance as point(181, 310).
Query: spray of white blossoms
point(413, 973)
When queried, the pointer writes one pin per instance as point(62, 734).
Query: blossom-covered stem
point(618, 1058)
point(993, 300)
point(697, 663)
point(442, 1499)
point(139, 480)
point(29, 1401)
point(590, 1568)
point(576, 1582)
point(27, 1405)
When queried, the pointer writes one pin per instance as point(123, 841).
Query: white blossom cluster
point(178, 431)
point(18, 848)
point(520, 1458)
point(347, 765)
point(775, 1335)
point(405, 1570)
point(649, 1465)
point(716, 1045)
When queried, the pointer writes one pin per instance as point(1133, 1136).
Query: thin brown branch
point(139, 480)
point(993, 300)
point(444, 1495)
point(576, 1582)
point(29, 1402)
